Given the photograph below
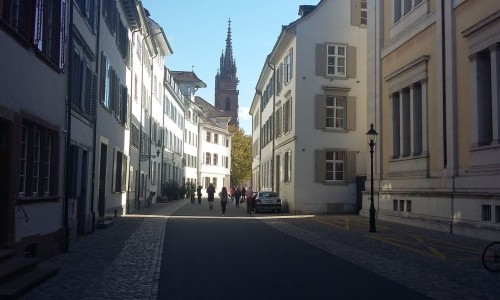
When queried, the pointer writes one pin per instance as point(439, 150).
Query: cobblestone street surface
point(123, 261)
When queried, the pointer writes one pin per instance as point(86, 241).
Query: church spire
point(227, 62)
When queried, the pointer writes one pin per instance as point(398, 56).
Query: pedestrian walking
point(223, 199)
point(191, 191)
point(231, 194)
point(248, 196)
point(243, 194)
point(237, 196)
point(198, 193)
point(210, 192)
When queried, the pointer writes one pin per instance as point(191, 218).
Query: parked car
point(267, 200)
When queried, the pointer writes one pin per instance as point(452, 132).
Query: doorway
point(102, 180)
point(5, 208)
point(278, 173)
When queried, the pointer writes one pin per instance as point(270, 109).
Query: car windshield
point(267, 194)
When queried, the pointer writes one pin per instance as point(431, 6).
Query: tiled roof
point(186, 77)
point(209, 110)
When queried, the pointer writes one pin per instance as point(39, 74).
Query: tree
point(241, 156)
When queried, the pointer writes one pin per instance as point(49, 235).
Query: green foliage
point(241, 157)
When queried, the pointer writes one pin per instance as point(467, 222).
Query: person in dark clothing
point(198, 192)
point(249, 195)
point(237, 196)
point(223, 199)
point(243, 194)
point(210, 192)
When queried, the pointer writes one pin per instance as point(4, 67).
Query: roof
point(187, 77)
point(209, 110)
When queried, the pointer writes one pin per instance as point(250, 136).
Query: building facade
point(434, 101)
point(310, 109)
point(33, 117)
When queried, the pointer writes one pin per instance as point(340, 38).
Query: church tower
point(226, 82)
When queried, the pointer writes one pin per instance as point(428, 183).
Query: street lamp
point(371, 137)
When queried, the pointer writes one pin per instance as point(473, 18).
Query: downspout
point(92, 194)
point(67, 170)
point(260, 139)
point(443, 66)
point(273, 67)
point(131, 95)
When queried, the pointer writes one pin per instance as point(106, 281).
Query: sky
point(197, 29)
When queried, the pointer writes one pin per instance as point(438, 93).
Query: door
point(102, 180)
point(82, 199)
point(278, 173)
point(5, 208)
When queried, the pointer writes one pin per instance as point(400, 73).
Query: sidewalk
point(121, 262)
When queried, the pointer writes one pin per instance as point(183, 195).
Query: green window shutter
point(320, 116)
point(351, 61)
point(355, 12)
point(321, 59)
point(350, 166)
point(351, 113)
point(319, 166)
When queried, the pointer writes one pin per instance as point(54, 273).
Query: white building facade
point(312, 111)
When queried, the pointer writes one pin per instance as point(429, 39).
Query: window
point(208, 137)
point(497, 214)
point(207, 182)
point(88, 11)
point(216, 160)
point(38, 163)
point(288, 66)
point(336, 60)
point(83, 86)
point(279, 78)
point(278, 122)
point(408, 205)
point(216, 138)
point(486, 213)
point(334, 166)
point(407, 123)
point(287, 164)
point(208, 158)
point(401, 205)
point(228, 104)
point(395, 205)
point(364, 14)
point(484, 98)
point(287, 116)
point(403, 7)
point(335, 107)
point(214, 181)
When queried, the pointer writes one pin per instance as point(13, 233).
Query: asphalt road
point(236, 256)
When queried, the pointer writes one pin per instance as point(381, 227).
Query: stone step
point(6, 254)
point(15, 265)
point(19, 285)
point(104, 224)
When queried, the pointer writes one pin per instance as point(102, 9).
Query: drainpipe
point(67, 171)
point(92, 194)
point(273, 67)
point(260, 139)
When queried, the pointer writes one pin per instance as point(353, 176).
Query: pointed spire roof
point(227, 62)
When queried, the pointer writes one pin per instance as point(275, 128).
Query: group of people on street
point(236, 194)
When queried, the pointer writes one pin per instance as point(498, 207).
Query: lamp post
point(371, 137)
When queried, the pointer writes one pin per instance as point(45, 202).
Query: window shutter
point(356, 12)
point(351, 61)
point(87, 100)
point(319, 166)
point(75, 78)
point(321, 59)
point(320, 116)
point(102, 95)
point(351, 113)
point(351, 166)
point(93, 96)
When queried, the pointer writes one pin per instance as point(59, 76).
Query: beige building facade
point(434, 101)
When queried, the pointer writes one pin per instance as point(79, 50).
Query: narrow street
point(179, 250)
point(209, 256)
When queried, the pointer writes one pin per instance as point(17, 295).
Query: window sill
point(335, 130)
point(336, 77)
point(493, 145)
point(335, 183)
point(408, 157)
point(33, 200)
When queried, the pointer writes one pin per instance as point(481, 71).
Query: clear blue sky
point(197, 30)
